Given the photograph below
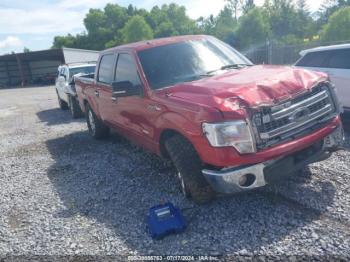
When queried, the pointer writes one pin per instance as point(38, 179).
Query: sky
point(33, 24)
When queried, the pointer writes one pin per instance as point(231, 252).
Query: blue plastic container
point(164, 220)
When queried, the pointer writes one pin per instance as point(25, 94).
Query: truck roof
point(78, 65)
point(325, 48)
point(138, 46)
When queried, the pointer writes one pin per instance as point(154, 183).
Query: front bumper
point(237, 179)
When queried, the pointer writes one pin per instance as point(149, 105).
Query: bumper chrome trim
point(227, 180)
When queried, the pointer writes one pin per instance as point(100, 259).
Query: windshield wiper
point(233, 66)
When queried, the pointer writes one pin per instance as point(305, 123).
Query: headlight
point(236, 133)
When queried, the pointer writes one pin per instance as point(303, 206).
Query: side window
point(66, 72)
point(340, 59)
point(314, 59)
point(105, 71)
point(63, 71)
point(126, 70)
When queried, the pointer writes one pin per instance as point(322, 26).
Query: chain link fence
point(276, 53)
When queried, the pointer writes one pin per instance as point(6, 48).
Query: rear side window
point(340, 59)
point(126, 70)
point(105, 71)
point(314, 59)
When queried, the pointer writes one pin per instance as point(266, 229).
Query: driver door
point(130, 112)
point(62, 84)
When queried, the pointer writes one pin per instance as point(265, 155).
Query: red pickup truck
point(226, 124)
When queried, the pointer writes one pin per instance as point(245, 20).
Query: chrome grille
point(299, 115)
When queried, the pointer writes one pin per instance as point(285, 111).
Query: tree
point(247, 5)
point(235, 6)
point(106, 27)
point(164, 29)
point(225, 25)
point(136, 29)
point(306, 25)
point(282, 16)
point(253, 29)
point(338, 27)
point(26, 50)
point(64, 41)
point(328, 8)
point(207, 25)
point(103, 26)
point(169, 20)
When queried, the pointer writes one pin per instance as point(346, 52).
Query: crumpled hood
point(256, 86)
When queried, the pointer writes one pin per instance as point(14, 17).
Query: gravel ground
point(63, 193)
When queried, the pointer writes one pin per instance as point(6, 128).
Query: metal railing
point(273, 52)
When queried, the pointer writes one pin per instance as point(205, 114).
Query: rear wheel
point(63, 105)
point(75, 107)
point(189, 169)
point(97, 128)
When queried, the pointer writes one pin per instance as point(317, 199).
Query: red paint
point(184, 107)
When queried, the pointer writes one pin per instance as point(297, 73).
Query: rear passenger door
point(103, 88)
point(339, 73)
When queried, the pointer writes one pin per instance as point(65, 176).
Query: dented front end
point(296, 117)
point(298, 120)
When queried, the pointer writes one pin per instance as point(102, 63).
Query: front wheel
point(189, 169)
point(97, 128)
point(63, 105)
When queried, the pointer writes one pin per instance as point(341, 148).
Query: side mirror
point(125, 88)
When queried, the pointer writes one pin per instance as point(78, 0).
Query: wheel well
point(166, 134)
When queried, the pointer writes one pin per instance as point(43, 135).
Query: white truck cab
point(65, 87)
point(335, 61)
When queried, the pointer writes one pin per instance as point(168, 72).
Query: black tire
point(97, 128)
point(189, 168)
point(63, 105)
point(75, 107)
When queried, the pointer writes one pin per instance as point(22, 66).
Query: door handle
point(154, 108)
point(97, 93)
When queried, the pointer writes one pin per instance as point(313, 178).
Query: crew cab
point(65, 85)
point(227, 125)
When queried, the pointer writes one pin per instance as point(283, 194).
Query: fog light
point(246, 180)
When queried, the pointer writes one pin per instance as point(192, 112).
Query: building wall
point(39, 67)
point(9, 73)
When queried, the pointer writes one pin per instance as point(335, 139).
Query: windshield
point(187, 61)
point(84, 70)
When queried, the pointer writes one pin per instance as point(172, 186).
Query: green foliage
point(64, 41)
point(136, 29)
point(115, 25)
point(225, 24)
point(253, 29)
point(222, 26)
point(328, 8)
point(284, 21)
point(338, 27)
point(247, 5)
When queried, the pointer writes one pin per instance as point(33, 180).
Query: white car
point(65, 87)
point(335, 61)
